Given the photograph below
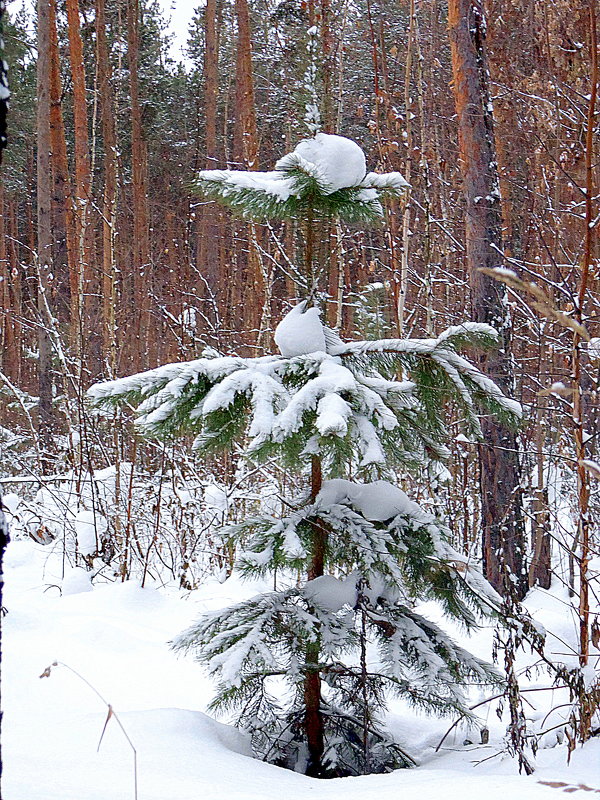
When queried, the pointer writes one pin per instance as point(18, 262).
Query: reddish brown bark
point(109, 200)
point(503, 534)
point(313, 720)
point(141, 241)
point(587, 706)
point(44, 233)
point(208, 222)
point(245, 150)
point(247, 276)
point(63, 199)
point(82, 182)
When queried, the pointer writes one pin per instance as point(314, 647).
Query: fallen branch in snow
point(111, 713)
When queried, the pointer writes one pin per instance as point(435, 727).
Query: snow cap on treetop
point(338, 162)
point(326, 173)
point(300, 332)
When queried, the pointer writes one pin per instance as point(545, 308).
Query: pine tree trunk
point(502, 522)
point(208, 223)
point(82, 183)
point(314, 722)
point(4, 102)
point(245, 136)
point(44, 233)
point(109, 202)
point(8, 349)
point(141, 243)
point(63, 199)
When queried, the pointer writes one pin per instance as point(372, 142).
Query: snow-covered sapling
point(308, 668)
point(289, 661)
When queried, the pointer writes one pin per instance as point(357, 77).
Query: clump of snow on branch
point(328, 168)
point(377, 501)
point(334, 161)
point(300, 332)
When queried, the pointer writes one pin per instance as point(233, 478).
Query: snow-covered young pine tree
point(307, 668)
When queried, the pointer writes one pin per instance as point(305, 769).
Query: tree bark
point(109, 201)
point(82, 185)
point(248, 275)
point(63, 199)
point(502, 519)
point(313, 721)
point(245, 136)
point(44, 232)
point(209, 217)
point(141, 241)
point(587, 707)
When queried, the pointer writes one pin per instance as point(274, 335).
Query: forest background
point(110, 263)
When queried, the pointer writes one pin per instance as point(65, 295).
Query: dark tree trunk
point(109, 202)
point(502, 520)
point(210, 217)
point(3, 85)
point(142, 280)
point(44, 232)
point(313, 720)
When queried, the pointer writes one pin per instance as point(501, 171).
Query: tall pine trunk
point(502, 519)
point(82, 184)
point(44, 233)
point(63, 200)
point(208, 223)
point(109, 201)
point(141, 241)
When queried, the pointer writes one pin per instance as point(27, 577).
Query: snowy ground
point(116, 636)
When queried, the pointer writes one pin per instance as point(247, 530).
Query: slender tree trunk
point(211, 81)
point(245, 137)
point(502, 522)
point(4, 95)
point(246, 152)
point(586, 705)
point(109, 202)
point(63, 199)
point(44, 232)
point(208, 222)
point(313, 721)
point(82, 183)
point(8, 342)
point(141, 242)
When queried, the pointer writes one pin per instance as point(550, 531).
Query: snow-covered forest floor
point(116, 636)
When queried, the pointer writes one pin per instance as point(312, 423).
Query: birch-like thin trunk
point(586, 707)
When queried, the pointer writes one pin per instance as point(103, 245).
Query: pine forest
point(299, 399)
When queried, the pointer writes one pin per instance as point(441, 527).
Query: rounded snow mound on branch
point(337, 162)
point(330, 593)
point(377, 501)
point(300, 332)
